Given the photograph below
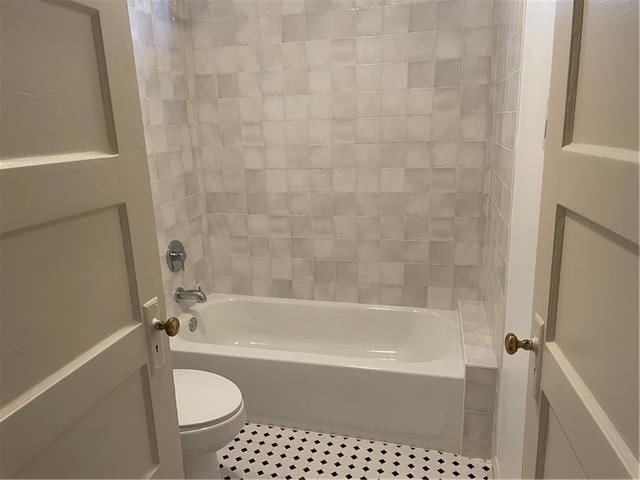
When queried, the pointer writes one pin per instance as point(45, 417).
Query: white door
point(582, 420)
point(85, 390)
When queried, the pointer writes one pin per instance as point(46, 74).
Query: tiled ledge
point(481, 380)
point(476, 333)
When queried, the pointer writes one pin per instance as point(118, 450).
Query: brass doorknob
point(171, 326)
point(512, 344)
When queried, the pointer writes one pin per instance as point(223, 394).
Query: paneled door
point(582, 415)
point(85, 380)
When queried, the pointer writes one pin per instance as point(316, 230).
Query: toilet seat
point(204, 399)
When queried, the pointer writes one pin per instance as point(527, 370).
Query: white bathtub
point(385, 373)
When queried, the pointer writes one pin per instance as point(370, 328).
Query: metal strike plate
point(534, 378)
point(150, 312)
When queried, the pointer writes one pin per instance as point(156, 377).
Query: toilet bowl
point(210, 414)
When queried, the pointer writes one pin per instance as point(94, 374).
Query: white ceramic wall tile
point(400, 90)
point(480, 380)
point(169, 93)
point(505, 80)
point(291, 81)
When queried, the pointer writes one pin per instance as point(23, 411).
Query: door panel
point(606, 85)
point(78, 253)
point(42, 111)
point(560, 460)
point(79, 293)
point(42, 414)
point(586, 287)
point(596, 322)
point(598, 445)
point(95, 442)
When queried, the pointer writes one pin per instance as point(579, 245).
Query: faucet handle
point(176, 256)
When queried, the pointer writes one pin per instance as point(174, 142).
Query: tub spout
point(182, 294)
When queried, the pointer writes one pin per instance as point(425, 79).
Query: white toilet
point(210, 413)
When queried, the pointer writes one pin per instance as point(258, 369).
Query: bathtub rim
point(451, 366)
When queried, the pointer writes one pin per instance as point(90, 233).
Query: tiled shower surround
point(505, 86)
point(342, 146)
point(166, 83)
point(327, 149)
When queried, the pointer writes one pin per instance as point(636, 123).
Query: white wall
point(536, 66)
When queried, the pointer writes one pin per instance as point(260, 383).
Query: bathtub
point(394, 374)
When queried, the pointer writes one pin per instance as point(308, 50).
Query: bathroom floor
point(264, 451)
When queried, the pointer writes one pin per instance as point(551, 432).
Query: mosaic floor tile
point(264, 451)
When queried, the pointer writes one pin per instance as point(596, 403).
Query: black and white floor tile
point(266, 452)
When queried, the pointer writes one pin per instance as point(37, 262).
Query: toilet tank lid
point(204, 398)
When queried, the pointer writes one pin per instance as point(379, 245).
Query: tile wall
point(505, 83)
point(342, 145)
point(333, 149)
point(163, 56)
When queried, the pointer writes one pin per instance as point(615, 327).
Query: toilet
point(210, 414)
